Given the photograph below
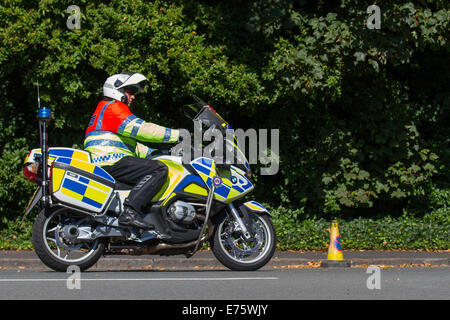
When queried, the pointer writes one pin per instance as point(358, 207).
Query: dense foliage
point(362, 113)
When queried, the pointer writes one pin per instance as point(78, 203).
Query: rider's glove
point(180, 137)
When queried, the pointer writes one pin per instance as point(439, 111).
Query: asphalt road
point(290, 284)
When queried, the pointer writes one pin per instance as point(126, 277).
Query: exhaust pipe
point(166, 246)
point(160, 247)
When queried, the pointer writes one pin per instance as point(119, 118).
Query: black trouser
point(145, 175)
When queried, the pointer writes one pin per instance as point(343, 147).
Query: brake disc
point(257, 236)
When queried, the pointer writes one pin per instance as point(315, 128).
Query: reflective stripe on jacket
point(113, 133)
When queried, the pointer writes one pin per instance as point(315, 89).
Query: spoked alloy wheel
point(54, 240)
point(234, 252)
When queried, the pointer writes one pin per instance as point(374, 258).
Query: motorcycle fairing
point(228, 191)
point(192, 184)
point(175, 175)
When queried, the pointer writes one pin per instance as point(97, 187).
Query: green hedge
point(16, 235)
point(430, 232)
point(412, 230)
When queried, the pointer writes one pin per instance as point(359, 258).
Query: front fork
point(240, 225)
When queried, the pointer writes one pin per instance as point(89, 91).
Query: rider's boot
point(130, 217)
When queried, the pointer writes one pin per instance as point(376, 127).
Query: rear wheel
point(236, 253)
point(54, 240)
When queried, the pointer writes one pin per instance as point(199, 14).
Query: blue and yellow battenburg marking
point(86, 166)
point(54, 153)
point(227, 191)
point(79, 190)
point(255, 206)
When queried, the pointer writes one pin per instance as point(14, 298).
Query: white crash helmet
point(116, 85)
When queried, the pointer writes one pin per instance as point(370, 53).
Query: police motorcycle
point(79, 204)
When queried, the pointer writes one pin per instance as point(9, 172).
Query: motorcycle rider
point(112, 139)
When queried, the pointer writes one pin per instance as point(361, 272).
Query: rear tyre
point(237, 254)
point(54, 240)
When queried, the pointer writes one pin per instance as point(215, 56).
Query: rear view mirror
point(190, 111)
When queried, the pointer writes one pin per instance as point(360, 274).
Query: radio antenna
point(44, 116)
point(39, 97)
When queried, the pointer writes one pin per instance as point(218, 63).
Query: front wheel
point(230, 248)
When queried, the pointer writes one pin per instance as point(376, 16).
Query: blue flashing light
point(44, 113)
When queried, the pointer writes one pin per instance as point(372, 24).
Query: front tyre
point(235, 253)
point(54, 240)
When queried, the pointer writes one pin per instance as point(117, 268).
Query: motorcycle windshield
point(201, 111)
point(209, 117)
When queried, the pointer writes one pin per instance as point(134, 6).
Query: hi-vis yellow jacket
point(114, 132)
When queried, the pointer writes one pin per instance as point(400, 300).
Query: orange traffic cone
point(335, 257)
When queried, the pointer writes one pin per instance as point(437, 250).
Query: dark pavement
point(224, 287)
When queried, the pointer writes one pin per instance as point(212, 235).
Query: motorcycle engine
point(182, 212)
